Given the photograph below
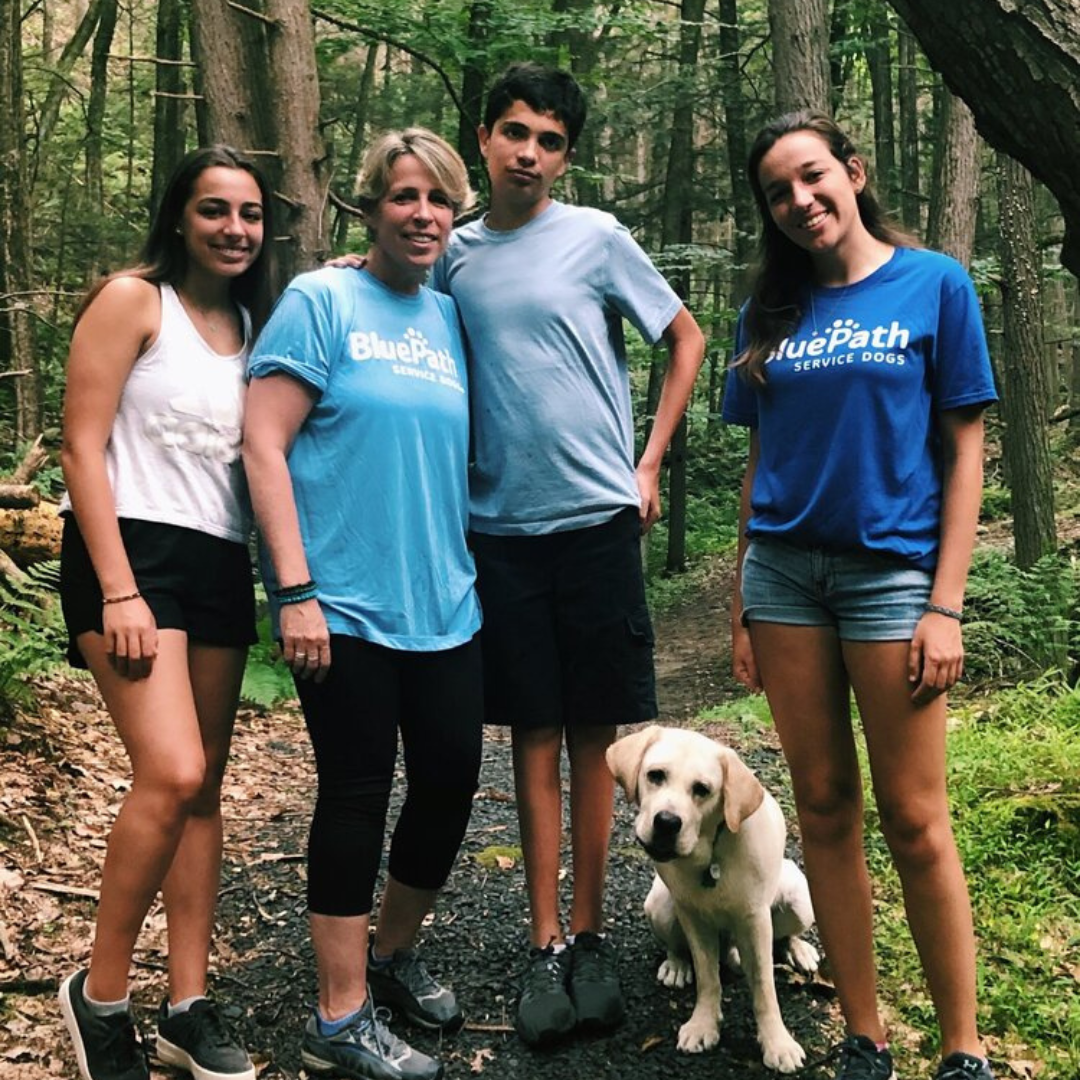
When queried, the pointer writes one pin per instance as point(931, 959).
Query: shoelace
point(414, 974)
point(387, 1045)
point(590, 963)
point(543, 972)
point(851, 1053)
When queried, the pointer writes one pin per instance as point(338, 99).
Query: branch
point(372, 35)
point(31, 464)
point(345, 207)
point(152, 60)
point(254, 14)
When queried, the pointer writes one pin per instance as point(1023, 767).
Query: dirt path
point(61, 777)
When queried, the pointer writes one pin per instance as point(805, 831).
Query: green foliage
point(33, 639)
point(1014, 786)
point(1019, 623)
point(267, 682)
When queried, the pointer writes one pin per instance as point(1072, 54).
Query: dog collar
point(711, 874)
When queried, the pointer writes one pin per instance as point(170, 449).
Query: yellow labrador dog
point(716, 837)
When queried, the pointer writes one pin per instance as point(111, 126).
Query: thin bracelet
point(120, 599)
point(949, 612)
point(296, 596)
point(290, 590)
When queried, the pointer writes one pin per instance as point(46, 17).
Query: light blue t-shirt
point(552, 428)
point(380, 466)
point(850, 454)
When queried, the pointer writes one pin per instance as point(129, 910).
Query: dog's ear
point(624, 758)
point(743, 792)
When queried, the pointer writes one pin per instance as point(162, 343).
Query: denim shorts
point(863, 595)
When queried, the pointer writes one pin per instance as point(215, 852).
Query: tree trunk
point(95, 118)
point(31, 536)
point(910, 203)
point(800, 45)
point(1023, 397)
point(954, 200)
point(294, 93)
point(168, 112)
point(678, 228)
point(473, 81)
point(16, 267)
point(879, 62)
point(1017, 65)
point(731, 89)
point(356, 145)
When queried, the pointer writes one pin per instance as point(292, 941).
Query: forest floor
point(63, 774)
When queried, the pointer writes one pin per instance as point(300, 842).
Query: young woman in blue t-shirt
point(862, 373)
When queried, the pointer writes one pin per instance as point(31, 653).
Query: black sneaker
point(544, 1009)
point(594, 983)
point(200, 1041)
point(107, 1047)
point(860, 1059)
point(365, 1050)
point(961, 1066)
point(405, 984)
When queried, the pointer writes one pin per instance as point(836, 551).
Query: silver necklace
point(831, 313)
point(212, 323)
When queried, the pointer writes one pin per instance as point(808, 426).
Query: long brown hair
point(165, 256)
point(785, 270)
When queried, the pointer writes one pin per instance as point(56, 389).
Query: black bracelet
point(294, 590)
point(949, 612)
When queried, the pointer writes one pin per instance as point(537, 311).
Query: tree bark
point(356, 144)
point(954, 200)
point(95, 118)
point(168, 110)
point(16, 269)
point(879, 62)
point(1017, 65)
point(31, 536)
point(800, 45)
point(1023, 375)
point(910, 185)
point(678, 229)
point(473, 81)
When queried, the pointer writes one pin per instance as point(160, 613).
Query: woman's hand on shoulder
point(305, 640)
point(131, 638)
point(349, 261)
point(936, 657)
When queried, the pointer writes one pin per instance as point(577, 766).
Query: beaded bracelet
point(297, 594)
point(949, 612)
point(121, 599)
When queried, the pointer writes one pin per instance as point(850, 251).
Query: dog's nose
point(666, 824)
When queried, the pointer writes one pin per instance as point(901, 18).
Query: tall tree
point(17, 358)
point(473, 82)
point(954, 199)
point(678, 229)
point(800, 49)
point(95, 111)
point(878, 35)
point(1023, 374)
point(1003, 57)
point(168, 105)
point(907, 80)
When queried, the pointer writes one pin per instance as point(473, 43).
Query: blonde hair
point(434, 153)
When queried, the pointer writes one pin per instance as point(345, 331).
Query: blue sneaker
point(365, 1050)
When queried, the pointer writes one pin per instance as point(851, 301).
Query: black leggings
point(435, 699)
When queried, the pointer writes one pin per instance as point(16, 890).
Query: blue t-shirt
point(552, 427)
point(850, 454)
point(379, 467)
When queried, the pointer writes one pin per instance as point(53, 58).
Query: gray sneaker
point(406, 986)
point(365, 1050)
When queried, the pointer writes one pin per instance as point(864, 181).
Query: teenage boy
point(557, 510)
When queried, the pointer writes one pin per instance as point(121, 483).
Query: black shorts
point(567, 637)
point(191, 581)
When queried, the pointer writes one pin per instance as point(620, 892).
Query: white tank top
point(174, 452)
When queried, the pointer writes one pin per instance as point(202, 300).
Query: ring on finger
point(300, 656)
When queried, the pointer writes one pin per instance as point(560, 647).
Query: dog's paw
point(696, 1035)
point(676, 972)
point(801, 955)
point(783, 1054)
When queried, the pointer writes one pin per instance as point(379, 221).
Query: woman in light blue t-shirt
point(356, 448)
point(862, 373)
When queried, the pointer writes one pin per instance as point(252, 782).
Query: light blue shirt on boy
point(552, 426)
point(380, 465)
